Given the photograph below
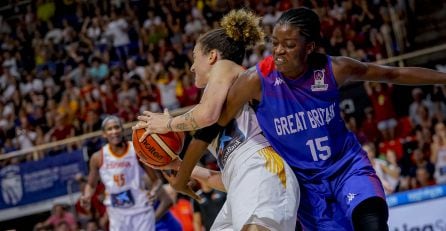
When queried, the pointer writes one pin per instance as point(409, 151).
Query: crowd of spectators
point(66, 64)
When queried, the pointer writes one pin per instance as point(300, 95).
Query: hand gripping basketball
point(158, 149)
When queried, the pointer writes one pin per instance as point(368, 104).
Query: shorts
point(120, 221)
point(261, 189)
point(328, 204)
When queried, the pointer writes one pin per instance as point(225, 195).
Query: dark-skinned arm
point(193, 154)
point(92, 180)
point(348, 69)
point(246, 88)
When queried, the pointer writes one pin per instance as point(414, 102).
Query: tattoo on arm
point(181, 127)
point(190, 123)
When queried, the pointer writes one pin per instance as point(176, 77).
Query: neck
point(119, 148)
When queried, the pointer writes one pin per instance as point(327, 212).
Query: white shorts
point(262, 189)
point(120, 221)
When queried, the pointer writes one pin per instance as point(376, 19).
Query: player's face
point(200, 67)
point(113, 132)
point(289, 50)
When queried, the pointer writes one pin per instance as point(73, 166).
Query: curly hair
point(239, 30)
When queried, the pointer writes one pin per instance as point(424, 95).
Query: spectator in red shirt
point(369, 126)
point(381, 97)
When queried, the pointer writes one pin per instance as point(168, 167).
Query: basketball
point(158, 149)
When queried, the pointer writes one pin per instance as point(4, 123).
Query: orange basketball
point(158, 149)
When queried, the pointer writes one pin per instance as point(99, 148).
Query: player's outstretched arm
point(348, 69)
point(203, 114)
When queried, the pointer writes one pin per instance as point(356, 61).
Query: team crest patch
point(319, 81)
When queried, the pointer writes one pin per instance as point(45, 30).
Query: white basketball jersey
point(123, 178)
point(241, 134)
point(440, 166)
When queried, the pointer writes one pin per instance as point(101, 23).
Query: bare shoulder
point(248, 82)
point(341, 62)
point(345, 68)
point(95, 159)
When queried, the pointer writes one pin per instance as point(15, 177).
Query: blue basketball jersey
point(301, 119)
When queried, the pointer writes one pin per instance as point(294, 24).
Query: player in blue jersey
point(298, 110)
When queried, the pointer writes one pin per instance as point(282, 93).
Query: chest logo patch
point(319, 81)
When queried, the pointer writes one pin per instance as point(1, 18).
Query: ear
point(213, 56)
point(310, 47)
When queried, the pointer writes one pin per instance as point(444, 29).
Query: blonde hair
point(239, 29)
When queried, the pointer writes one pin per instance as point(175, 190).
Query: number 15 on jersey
point(319, 148)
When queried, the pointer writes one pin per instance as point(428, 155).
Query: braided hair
point(305, 19)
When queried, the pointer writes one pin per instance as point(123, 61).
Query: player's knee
point(371, 215)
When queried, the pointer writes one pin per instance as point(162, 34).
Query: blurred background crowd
point(66, 64)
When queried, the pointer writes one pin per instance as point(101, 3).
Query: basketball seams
point(173, 141)
point(180, 136)
point(140, 148)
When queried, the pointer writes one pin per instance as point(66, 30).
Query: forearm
point(193, 154)
point(214, 96)
point(156, 186)
point(418, 76)
point(209, 177)
point(165, 203)
point(89, 190)
point(199, 117)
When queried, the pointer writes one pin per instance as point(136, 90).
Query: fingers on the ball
point(139, 126)
point(144, 136)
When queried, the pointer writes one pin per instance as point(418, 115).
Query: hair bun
point(243, 26)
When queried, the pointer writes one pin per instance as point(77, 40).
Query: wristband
point(207, 134)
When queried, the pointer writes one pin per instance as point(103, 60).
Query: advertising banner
point(420, 209)
point(35, 181)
